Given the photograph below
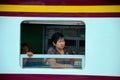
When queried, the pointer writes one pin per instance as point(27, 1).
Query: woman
point(59, 48)
point(26, 50)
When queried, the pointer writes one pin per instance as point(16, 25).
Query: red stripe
point(26, 14)
point(53, 77)
point(61, 2)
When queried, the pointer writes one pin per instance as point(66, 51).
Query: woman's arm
point(53, 64)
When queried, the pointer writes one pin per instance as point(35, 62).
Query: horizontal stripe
point(61, 9)
point(26, 14)
point(54, 77)
point(61, 2)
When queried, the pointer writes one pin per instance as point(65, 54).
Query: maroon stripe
point(26, 14)
point(62, 2)
point(53, 77)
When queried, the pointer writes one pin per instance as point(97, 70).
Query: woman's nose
point(62, 43)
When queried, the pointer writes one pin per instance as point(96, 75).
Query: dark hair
point(24, 44)
point(56, 36)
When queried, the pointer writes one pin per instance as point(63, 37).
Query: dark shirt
point(52, 50)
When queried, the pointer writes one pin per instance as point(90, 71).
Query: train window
point(42, 40)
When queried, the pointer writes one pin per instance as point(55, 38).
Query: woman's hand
point(68, 66)
point(30, 54)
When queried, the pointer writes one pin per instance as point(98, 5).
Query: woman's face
point(60, 44)
point(26, 48)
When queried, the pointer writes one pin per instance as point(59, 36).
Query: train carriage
point(90, 28)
